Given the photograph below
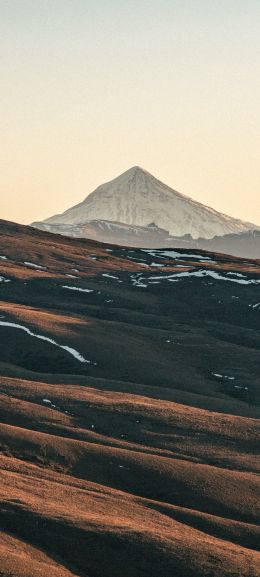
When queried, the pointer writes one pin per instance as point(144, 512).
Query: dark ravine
point(142, 461)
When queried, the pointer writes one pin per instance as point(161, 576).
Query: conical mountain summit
point(137, 198)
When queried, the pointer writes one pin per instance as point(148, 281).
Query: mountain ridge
point(243, 244)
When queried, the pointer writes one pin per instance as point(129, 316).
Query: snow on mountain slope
point(138, 198)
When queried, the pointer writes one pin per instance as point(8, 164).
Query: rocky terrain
point(129, 383)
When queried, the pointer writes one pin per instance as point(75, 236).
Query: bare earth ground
point(129, 410)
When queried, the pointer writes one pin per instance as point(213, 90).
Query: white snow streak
point(72, 276)
point(75, 288)
point(71, 351)
point(110, 276)
point(33, 265)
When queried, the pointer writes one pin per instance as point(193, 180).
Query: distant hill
point(245, 244)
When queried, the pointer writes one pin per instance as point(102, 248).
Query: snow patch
point(237, 274)
point(70, 350)
point(71, 276)
point(34, 265)
point(203, 273)
point(110, 276)
point(75, 288)
point(175, 255)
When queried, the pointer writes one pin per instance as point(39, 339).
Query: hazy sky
point(90, 88)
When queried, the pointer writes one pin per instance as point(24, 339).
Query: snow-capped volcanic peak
point(138, 198)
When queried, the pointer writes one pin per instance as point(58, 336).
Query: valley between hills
point(130, 406)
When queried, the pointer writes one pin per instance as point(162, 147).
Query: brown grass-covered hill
point(129, 385)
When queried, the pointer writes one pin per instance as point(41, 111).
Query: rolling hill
point(129, 383)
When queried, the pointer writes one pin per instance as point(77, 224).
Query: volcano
point(137, 198)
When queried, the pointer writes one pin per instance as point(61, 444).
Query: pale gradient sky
point(90, 88)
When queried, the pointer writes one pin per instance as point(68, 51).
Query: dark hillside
point(129, 383)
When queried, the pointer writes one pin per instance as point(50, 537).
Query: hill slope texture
point(129, 385)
